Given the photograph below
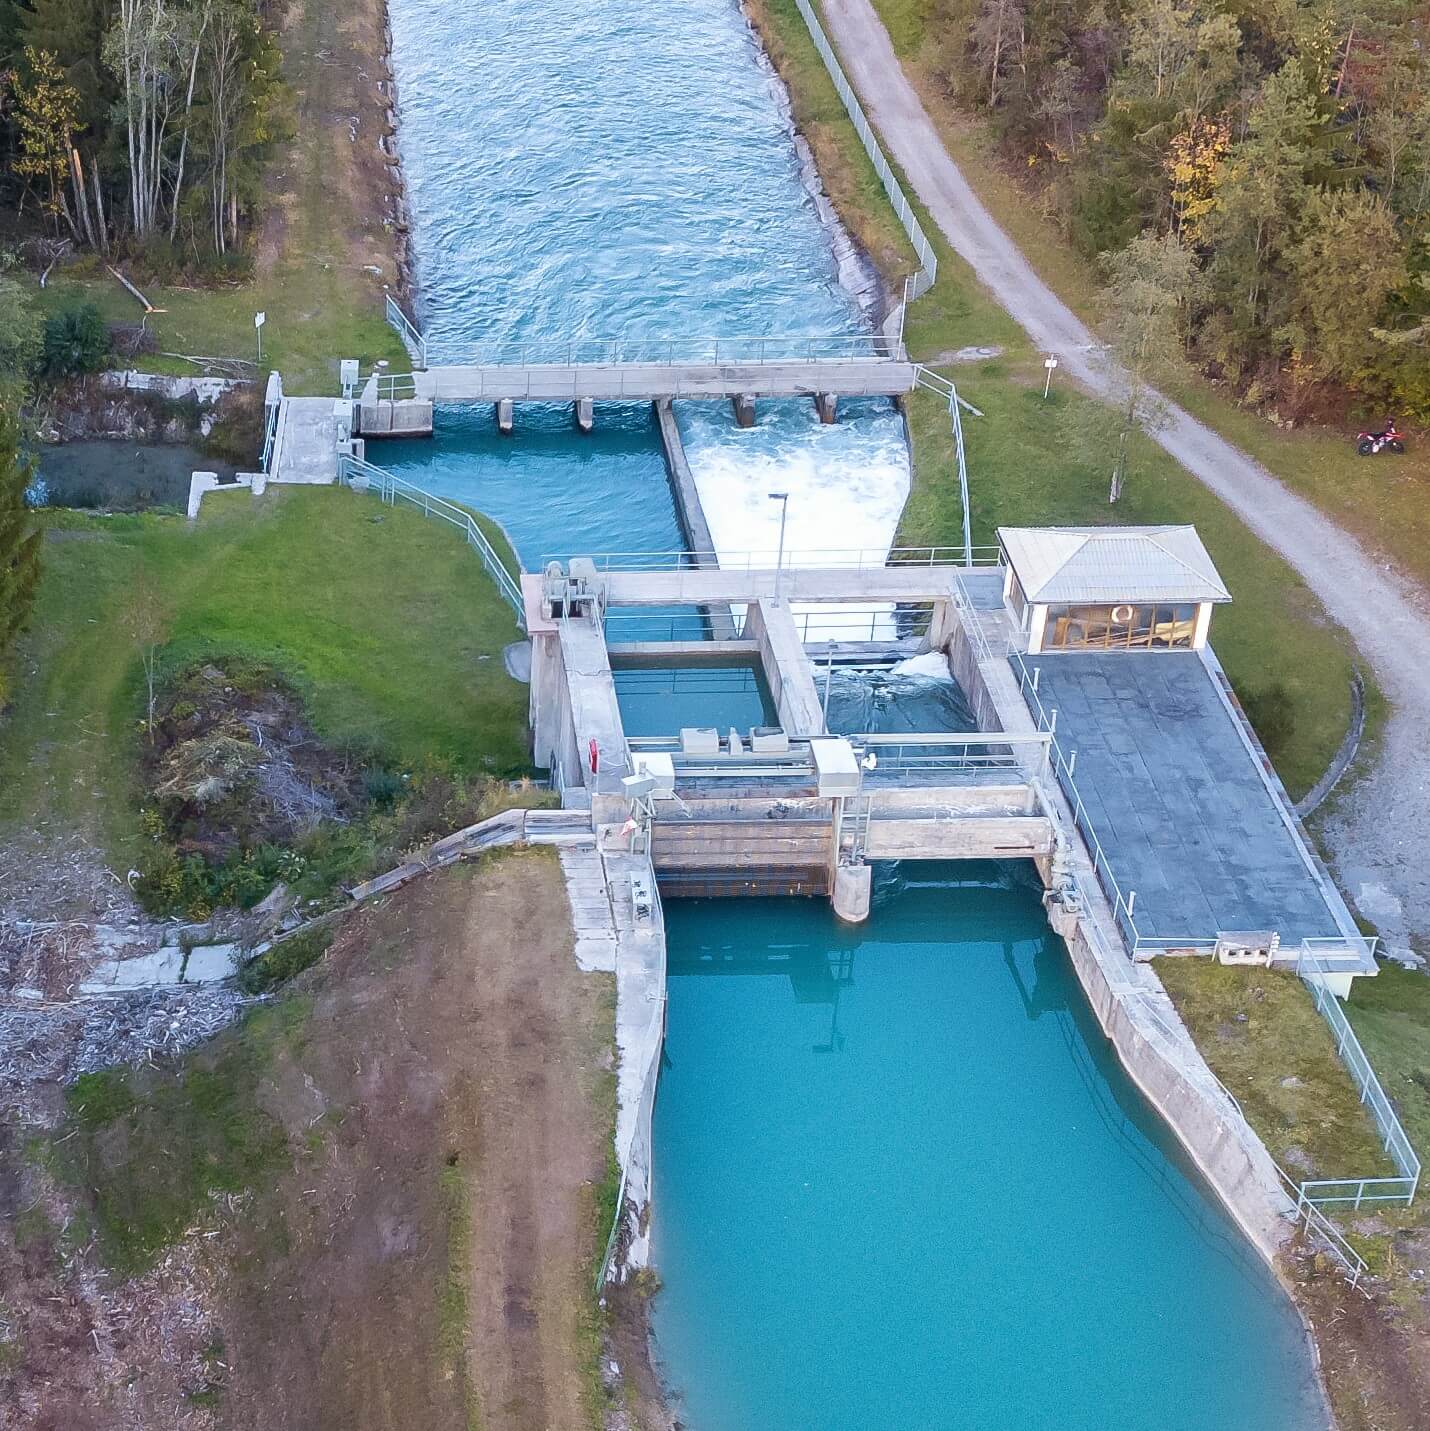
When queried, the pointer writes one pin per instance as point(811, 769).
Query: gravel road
point(1378, 830)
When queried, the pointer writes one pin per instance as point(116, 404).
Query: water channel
point(900, 1182)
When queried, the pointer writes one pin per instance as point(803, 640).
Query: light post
point(783, 499)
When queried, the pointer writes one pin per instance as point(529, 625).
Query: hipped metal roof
point(1079, 565)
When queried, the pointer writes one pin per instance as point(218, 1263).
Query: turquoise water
point(900, 1183)
point(660, 700)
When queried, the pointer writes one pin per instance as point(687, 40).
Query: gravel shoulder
point(1379, 825)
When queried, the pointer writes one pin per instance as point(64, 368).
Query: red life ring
point(595, 758)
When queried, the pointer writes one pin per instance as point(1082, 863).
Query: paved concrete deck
point(645, 382)
point(1177, 800)
point(305, 446)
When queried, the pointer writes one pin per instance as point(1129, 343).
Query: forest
point(1272, 156)
point(140, 127)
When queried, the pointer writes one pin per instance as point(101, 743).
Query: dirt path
point(464, 1064)
point(1379, 829)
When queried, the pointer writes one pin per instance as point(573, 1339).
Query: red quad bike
point(1390, 439)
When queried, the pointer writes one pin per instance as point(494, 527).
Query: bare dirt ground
point(338, 191)
point(441, 1090)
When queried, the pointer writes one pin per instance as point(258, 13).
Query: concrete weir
point(795, 810)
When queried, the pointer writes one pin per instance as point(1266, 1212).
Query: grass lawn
point(1383, 501)
point(1391, 1017)
point(1261, 1034)
point(325, 251)
point(1020, 460)
point(383, 620)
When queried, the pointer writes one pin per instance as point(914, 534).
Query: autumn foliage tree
point(1287, 146)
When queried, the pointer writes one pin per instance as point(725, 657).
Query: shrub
point(381, 787)
point(76, 341)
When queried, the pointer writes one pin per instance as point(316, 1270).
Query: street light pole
point(783, 499)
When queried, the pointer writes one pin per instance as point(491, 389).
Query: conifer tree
point(19, 539)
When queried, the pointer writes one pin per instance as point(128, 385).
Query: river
point(900, 1182)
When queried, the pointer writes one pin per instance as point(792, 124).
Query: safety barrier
point(937, 383)
point(853, 558)
point(353, 472)
point(412, 339)
point(272, 407)
point(923, 249)
point(1313, 970)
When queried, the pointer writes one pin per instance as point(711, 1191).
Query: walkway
point(1380, 835)
point(305, 447)
point(647, 381)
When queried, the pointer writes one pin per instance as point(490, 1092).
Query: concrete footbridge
point(585, 371)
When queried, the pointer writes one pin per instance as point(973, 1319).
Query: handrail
point(937, 383)
point(354, 472)
point(272, 406)
point(857, 558)
point(1313, 970)
point(747, 349)
point(407, 330)
point(923, 249)
point(394, 387)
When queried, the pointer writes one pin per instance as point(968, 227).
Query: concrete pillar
point(505, 409)
point(585, 414)
point(827, 406)
point(744, 410)
point(852, 885)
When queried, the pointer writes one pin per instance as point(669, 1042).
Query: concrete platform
point(646, 382)
point(305, 444)
point(1177, 800)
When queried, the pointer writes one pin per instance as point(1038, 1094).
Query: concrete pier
point(852, 889)
point(585, 414)
point(827, 405)
point(744, 406)
point(505, 415)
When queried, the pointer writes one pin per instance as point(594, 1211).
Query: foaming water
point(593, 170)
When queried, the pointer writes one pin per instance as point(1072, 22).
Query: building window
point(1123, 627)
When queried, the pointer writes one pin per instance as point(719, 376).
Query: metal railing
point(852, 558)
point(355, 473)
point(1313, 970)
point(660, 351)
point(272, 406)
point(1063, 766)
point(412, 339)
point(923, 249)
point(394, 387)
point(937, 383)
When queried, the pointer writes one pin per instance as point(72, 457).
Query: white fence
point(412, 340)
point(352, 472)
point(928, 261)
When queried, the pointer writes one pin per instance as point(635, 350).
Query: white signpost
point(259, 319)
point(1049, 363)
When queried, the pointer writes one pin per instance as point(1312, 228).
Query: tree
point(1179, 54)
point(1261, 199)
point(998, 36)
point(1346, 264)
point(149, 617)
point(46, 112)
point(20, 338)
point(1151, 285)
point(19, 537)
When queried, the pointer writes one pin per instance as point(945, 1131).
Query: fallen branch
point(148, 307)
point(232, 362)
